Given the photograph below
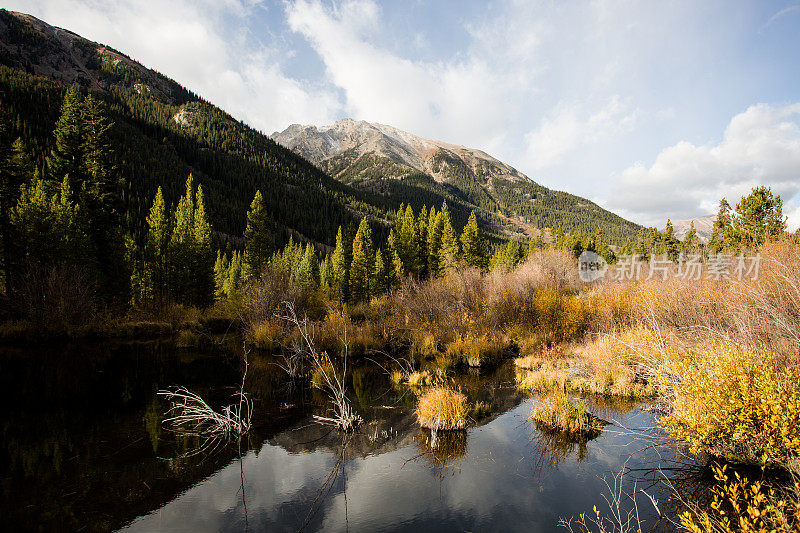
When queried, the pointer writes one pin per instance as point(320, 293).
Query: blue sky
point(653, 109)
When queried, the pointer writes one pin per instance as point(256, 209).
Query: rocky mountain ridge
point(358, 138)
point(389, 161)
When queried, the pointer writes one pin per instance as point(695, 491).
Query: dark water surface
point(84, 450)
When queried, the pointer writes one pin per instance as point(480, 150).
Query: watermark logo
point(591, 266)
point(716, 267)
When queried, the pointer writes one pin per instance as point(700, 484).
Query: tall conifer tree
point(472, 245)
point(67, 155)
point(448, 253)
point(203, 261)
point(155, 252)
point(257, 236)
point(435, 226)
point(363, 262)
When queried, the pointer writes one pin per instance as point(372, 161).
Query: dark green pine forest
point(161, 133)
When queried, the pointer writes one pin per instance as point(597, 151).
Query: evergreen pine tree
point(759, 217)
point(155, 253)
point(235, 272)
point(422, 242)
point(97, 162)
point(101, 198)
point(473, 246)
point(338, 265)
point(691, 242)
point(221, 266)
point(257, 236)
point(181, 253)
point(308, 269)
point(435, 227)
point(203, 261)
point(67, 155)
point(379, 283)
point(51, 228)
point(536, 242)
point(722, 227)
point(16, 169)
point(671, 245)
point(406, 236)
point(395, 272)
point(326, 272)
point(363, 262)
point(448, 253)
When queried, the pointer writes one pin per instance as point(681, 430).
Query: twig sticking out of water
point(617, 519)
point(332, 381)
point(190, 415)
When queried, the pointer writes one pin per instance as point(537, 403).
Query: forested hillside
point(161, 133)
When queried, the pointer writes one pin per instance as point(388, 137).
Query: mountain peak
point(391, 162)
point(357, 138)
point(702, 225)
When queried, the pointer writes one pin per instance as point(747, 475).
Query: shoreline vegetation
point(719, 357)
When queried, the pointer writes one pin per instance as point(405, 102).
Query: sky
point(654, 110)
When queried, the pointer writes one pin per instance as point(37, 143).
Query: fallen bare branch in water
point(190, 415)
point(332, 381)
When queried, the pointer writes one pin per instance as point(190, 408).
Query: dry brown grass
point(337, 331)
point(266, 334)
point(535, 374)
point(607, 366)
point(538, 303)
point(419, 379)
point(442, 408)
point(475, 352)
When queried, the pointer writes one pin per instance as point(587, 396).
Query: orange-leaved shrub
point(734, 402)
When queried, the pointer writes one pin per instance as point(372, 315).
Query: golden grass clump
point(418, 379)
point(474, 351)
point(442, 408)
point(396, 377)
point(338, 330)
point(414, 378)
point(481, 410)
point(535, 374)
point(187, 339)
point(423, 344)
point(265, 334)
point(618, 380)
point(605, 366)
point(558, 413)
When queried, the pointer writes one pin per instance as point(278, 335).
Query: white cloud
point(792, 212)
point(565, 130)
point(196, 44)
point(760, 146)
point(464, 99)
point(781, 13)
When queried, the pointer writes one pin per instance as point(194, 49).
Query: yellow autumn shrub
point(734, 402)
point(738, 505)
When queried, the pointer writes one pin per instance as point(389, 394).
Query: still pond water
point(84, 450)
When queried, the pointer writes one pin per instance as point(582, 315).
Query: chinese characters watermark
point(717, 267)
